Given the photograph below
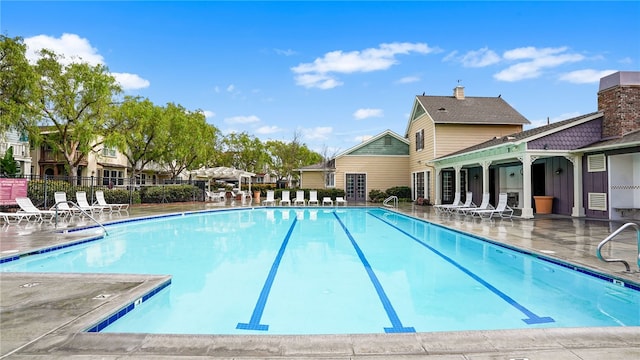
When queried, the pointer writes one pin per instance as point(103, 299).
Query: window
point(596, 163)
point(109, 151)
point(387, 140)
point(330, 180)
point(112, 177)
point(259, 179)
point(420, 139)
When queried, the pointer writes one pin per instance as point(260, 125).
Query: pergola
point(221, 172)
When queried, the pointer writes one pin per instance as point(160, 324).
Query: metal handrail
point(82, 211)
point(614, 234)
point(389, 199)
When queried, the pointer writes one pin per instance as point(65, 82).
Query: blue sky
point(339, 72)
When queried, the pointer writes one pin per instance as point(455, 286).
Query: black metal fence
point(41, 189)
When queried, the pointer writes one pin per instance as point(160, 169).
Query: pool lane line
point(254, 322)
point(397, 326)
point(531, 317)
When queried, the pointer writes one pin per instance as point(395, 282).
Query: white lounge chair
point(81, 199)
point(285, 198)
point(112, 207)
point(483, 206)
point(62, 206)
point(270, 200)
point(299, 200)
point(340, 201)
point(313, 198)
point(27, 207)
point(501, 209)
point(443, 207)
point(468, 202)
point(327, 200)
point(16, 216)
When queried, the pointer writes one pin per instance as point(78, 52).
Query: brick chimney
point(619, 100)
point(458, 92)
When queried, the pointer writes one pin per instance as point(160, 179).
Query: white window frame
point(330, 180)
point(109, 151)
point(420, 140)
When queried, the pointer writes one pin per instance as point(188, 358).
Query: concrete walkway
point(44, 316)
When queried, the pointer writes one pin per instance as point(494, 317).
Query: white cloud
point(242, 119)
point(130, 81)
point(74, 49)
point(626, 60)
point(480, 58)
point(537, 61)
point(367, 113)
point(231, 88)
point(586, 76)
point(319, 73)
point(287, 52)
point(362, 138)
point(71, 46)
point(265, 130)
point(317, 133)
point(208, 114)
point(408, 79)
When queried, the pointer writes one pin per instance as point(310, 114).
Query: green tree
point(74, 101)
point(8, 165)
point(17, 84)
point(191, 143)
point(285, 157)
point(143, 132)
point(243, 151)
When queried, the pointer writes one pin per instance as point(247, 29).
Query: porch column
point(438, 178)
point(527, 209)
point(457, 168)
point(485, 176)
point(578, 206)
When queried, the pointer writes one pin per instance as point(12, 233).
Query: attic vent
point(596, 163)
point(597, 201)
point(442, 109)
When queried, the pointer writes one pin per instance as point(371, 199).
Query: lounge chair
point(501, 209)
point(112, 207)
point(27, 207)
point(299, 200)
point(313, 198)
point(16, 216)
point(83, 203)
point(270, 200)
point(468, 202)
point(285, 198)
point(327, 200)
point(483, 206)
point(443, 207)
point(62, 204)
point(340, 201)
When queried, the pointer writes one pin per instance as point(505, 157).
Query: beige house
point(379, 163)
point(441, 125)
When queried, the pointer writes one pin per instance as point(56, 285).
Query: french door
point(356, 189)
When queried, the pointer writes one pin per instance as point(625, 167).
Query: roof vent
point(442, 109)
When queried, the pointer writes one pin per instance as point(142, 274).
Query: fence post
point(91, 189)
point(45, 192)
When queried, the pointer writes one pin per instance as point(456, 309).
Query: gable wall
point(378, 147)
point(571, 138)
point(455, 137)
point(382, 172)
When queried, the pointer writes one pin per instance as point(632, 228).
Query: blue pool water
point(332, 271)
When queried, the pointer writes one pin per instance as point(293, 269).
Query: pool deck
point(44, 316)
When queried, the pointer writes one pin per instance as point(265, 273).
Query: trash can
point(544, 204)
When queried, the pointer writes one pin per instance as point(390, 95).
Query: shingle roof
point(630, 139)
point(471, 110)
point(516, 137)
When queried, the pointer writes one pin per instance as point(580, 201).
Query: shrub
point(402, 192)
point(173, 193)
point(377, 195)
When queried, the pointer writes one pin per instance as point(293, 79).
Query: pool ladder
point(82, 211)
point(393, 200)
point(614, 234)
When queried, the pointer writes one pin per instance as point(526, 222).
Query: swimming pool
point(322, 271)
